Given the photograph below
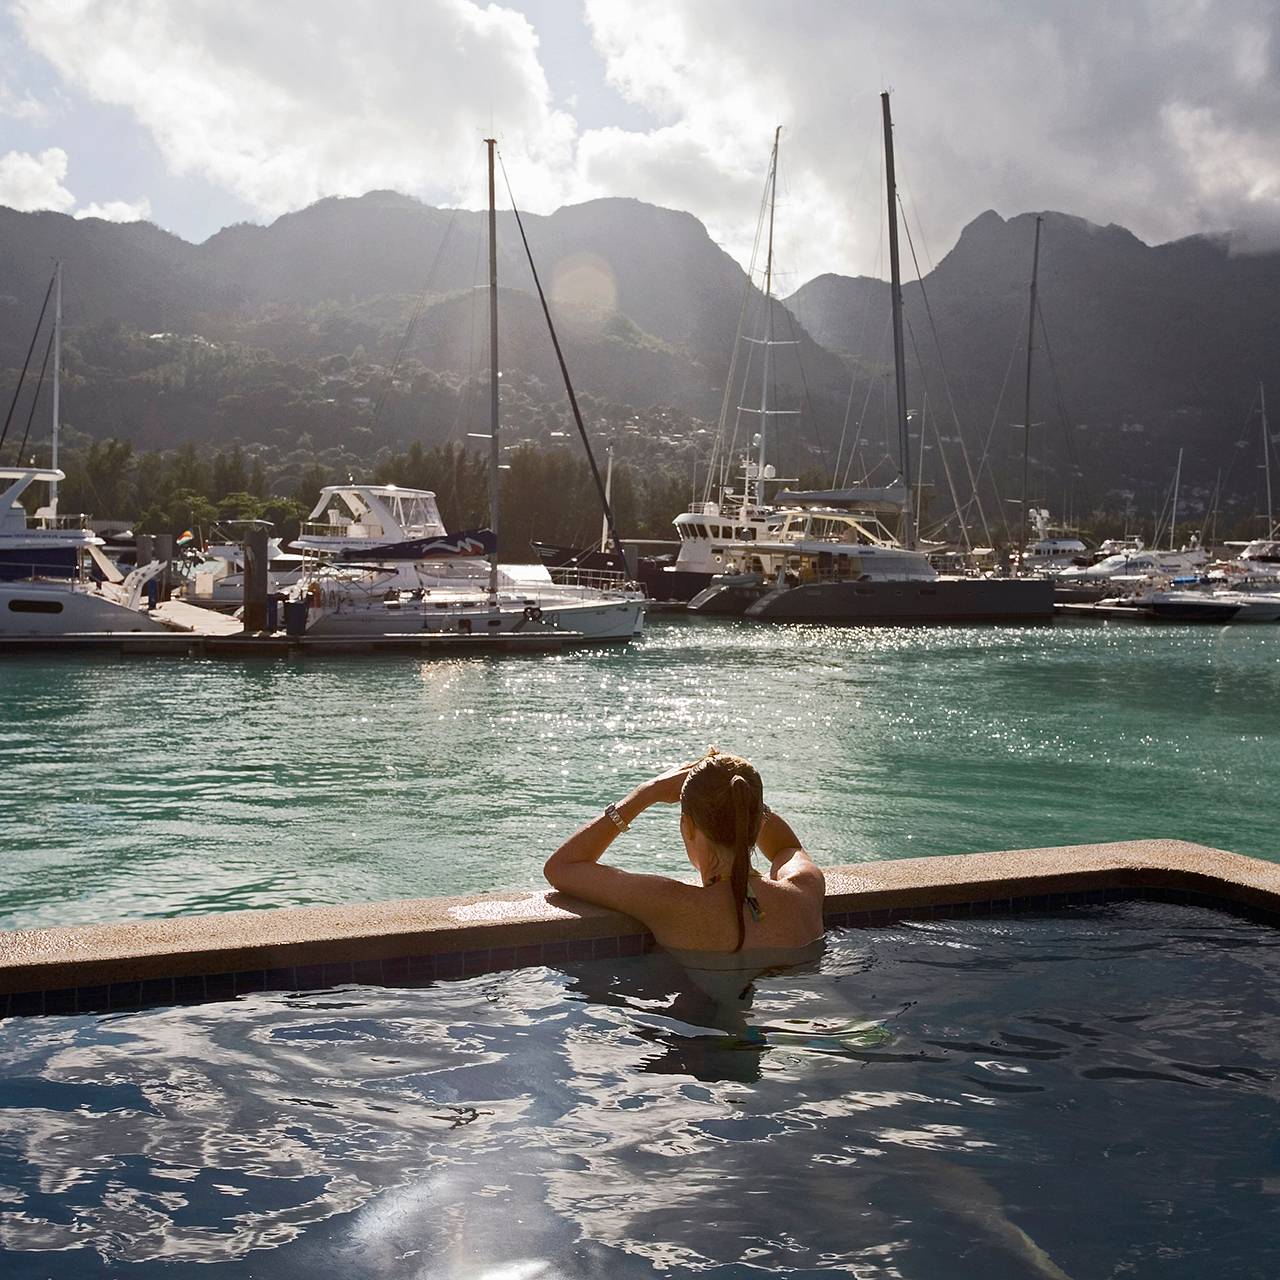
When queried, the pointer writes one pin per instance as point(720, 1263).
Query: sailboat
point(847, 572)
point(745, 514)
point(423, 586)
point(54, 580)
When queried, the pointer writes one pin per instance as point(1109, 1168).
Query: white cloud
point(1159, 114)
point(118, 210)
point(284, 103)
point(19, 105)
point(29, 182)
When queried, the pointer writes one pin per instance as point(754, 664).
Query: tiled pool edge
point(137, 963)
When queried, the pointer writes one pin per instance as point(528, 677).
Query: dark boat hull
point(661, 583)
point(1191, 611)
point(942, 600)
point(728, 597)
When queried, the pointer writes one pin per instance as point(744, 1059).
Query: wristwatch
point(611, 812)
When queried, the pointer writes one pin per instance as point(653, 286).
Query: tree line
point(547, 491)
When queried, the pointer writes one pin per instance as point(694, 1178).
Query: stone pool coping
point(128, 964)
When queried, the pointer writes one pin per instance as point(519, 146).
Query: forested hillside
point(338, 338)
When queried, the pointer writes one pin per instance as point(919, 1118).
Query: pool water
point(1087, 1093)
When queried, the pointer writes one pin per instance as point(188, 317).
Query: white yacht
point(1135, 565)
point(1049, 554)
point(811, 541)
point(357, 518)
point(391, 568)
point(218, 582)
point(437, 597)
point(708, 532)
point(54, 580)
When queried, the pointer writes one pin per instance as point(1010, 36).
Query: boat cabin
point(351, 516)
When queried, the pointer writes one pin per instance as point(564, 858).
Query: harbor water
point(146, 787)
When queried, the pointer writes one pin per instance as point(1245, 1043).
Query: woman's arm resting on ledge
point(781, 846)
point(574, 867)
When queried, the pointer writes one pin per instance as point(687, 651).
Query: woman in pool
point(734, 910)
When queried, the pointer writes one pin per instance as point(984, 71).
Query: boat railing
point(598, 579)
point(76, 521)
point(323, 529)
point(704, 509)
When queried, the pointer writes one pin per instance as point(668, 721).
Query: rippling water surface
point(152, 787)
point(1085, 1094)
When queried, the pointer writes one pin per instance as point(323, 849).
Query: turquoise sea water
point(154, 787)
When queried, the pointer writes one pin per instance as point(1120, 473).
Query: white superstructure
point(350, 517)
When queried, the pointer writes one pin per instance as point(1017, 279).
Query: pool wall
point(134, 963)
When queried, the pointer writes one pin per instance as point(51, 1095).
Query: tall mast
point(1266, 457)
point(608, 494)
point(768, 334)
point(899, 363)
point(1173, 511)
point(57, 379)
point(1026, 406)
point(494, 453)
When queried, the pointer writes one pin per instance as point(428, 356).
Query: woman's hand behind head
point(666, 787)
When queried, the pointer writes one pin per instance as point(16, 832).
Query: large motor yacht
point(54, 580)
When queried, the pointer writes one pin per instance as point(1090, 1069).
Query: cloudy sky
point(1162, 115)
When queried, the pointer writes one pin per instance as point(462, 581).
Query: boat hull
point(941, 600)
point(59, 609)
point(596, 621)
point(729, 597)
point(663, 583)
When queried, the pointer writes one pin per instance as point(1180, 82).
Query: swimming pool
point(1088, 1092)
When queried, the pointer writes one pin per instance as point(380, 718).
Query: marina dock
point(202, 633)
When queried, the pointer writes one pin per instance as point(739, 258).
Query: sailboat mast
point(608, 495)
point(1173, 511)
point(768, 333)
point(1026, 404)
point(57, 380)
point(1266, 457)
point(899, 362)
point(494, 454)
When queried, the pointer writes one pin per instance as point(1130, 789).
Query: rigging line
point(721, 453)
point(1072, 458)
point(859, 345)
point(1243, 438)
point(942, 453)
point(35, 334)
point(946, 376)
point(564, 373)
point(1211, 516)
point(815, 429)
point(376, 417)
point(866, 401)
point(862, 422)
point(985, 459)
point(48, 348)
point(466, 395)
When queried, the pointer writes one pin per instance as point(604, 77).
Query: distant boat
point(54, 579)
point(706, 530)
point(392, 568)
point(830, 580)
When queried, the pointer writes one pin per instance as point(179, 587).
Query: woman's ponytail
point(740, 796)
point(724, 799)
